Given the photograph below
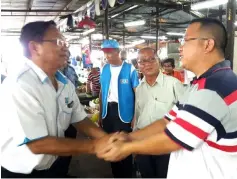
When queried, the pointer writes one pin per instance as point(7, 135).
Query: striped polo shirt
point(95, 80)
point(204, 123)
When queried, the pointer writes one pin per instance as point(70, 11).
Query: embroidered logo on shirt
point(66, 100)
point(124, 81)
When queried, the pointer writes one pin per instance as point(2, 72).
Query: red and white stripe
point(194, 121)
point(225, 145)
point(184, 135)
point(172, 113)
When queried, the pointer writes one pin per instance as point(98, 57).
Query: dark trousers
point(112, 123)
point(153, 166)
point(59, 169)
point(61, 165)
point(34, 174)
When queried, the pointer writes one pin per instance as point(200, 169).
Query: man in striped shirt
point(93, 82)
point(201, 130)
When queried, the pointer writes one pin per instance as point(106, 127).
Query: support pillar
point(231, 11)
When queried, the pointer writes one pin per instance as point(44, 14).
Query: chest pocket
point(65, 113)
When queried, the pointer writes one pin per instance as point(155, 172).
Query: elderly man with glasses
point(155, 96)
point(38, 104)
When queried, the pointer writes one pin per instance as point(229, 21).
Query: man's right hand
point(100, 144)
point(121, 136)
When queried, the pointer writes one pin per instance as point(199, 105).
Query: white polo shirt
point(31, 109)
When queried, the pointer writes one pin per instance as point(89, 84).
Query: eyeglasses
point(167, 66)
point(150, 60)
point(58, 42)
point(184, 40)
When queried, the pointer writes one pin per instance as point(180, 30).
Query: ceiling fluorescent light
point(134, 23)
point(175, 33)
point(153, 37)
point(128, 9)
point(236, 23)
point(131, 8)
point(97, 36)
point(200, 15)
point(88, 32)
point(138, 42)
point(113, 16)
point(207, 4)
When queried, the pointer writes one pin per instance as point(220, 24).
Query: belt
point(112, 103)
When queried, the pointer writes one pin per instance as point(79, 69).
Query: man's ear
point(209, 45)
point(33, 48)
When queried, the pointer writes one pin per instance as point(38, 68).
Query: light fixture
point(128, 9)
point(113, 16)
point(175, 33)
point(97, 36)
point(134, 23)
point(84, 41)
point(200, 15)
point(133, 44)
point(236, 23)
point(138, 42)
point(208, 4)
point(88, 32)
point(153, 37)
point(131, 8)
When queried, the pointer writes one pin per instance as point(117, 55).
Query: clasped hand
point(112, 147)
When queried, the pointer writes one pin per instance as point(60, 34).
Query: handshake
point(112, 147)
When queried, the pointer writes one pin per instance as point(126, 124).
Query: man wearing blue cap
point(118, 82)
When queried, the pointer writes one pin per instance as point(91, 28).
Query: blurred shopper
point(123, 55)
point(93, 82)
point(169, 69)
point(71, 74)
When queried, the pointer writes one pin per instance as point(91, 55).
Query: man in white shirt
point(38, 104)
point(155, 96)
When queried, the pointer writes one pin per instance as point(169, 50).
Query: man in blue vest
point(118, 82)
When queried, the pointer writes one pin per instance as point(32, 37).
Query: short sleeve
point(178, 90)
point(193, 122)
point(134, 77)
point(78, 112)
point(171, 115)
point(89, 78)
point(24, 114)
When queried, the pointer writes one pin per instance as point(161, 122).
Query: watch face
point(104, 4)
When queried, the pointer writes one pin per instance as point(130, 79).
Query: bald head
point(213, 28)
point(145, 49)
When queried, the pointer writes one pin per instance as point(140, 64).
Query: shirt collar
point(117, 65)
point(159, 79)
point(39, 72)
point(224, 65)
point(43, 76)
point(60, 77)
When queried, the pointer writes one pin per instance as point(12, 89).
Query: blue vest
point(126, 97)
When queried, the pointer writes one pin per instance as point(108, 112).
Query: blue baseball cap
point(109, 45)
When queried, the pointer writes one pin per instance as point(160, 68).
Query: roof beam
point(30, 10)
point(66, 7)
point(29, 6)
